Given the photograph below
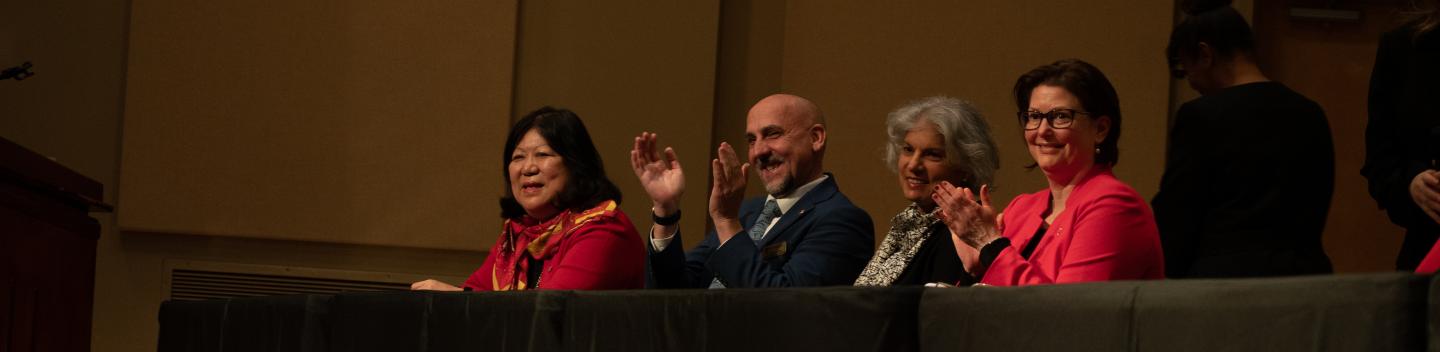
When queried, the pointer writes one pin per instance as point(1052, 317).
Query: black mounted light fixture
point(1327, 15)
point(18, 72)
point(1333, 11)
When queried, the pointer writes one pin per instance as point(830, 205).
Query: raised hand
point(1425, 191)
point(727, 192)
point(662, 177)
point(970, 222)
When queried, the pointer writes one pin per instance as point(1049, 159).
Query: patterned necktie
point(762, 223)
point(757, 231)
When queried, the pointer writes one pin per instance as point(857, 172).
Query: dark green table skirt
point(1381, 312)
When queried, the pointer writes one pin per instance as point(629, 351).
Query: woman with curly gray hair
point(932, 140)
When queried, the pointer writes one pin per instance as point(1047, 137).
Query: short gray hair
point(968, 145)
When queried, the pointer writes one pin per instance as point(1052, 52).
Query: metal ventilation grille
point(188, 284)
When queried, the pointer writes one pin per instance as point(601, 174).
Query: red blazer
point(1431, 263)
point(603, 254)
point(1106, 232)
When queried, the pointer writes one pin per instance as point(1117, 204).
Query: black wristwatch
point(666, 221)
point(989, 253)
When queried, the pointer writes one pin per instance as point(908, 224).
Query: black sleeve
point(988, 255)
point(832, 253)
point(674, 268)
point(1180, 204)
point(1389, 165)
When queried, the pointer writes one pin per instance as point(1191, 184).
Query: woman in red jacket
point(1087, 226)
point(563, 228)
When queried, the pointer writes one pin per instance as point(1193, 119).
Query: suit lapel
point(1029, 226)
point(786, 220)
point(822, 192)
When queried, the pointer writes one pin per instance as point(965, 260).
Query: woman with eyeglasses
point(1254, 205)
point(1087, 225)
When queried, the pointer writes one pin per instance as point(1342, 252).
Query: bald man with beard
point(803, 233)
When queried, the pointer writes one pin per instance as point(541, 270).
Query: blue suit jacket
point(823, 240)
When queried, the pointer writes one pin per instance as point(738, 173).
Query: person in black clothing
point(929, 141)
point(1250, 165)
point(1400, 138)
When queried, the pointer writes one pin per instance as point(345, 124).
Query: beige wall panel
point(351, 122)
point(627, 67)
point(752, 43)
point(70, 109)
point(861, 60)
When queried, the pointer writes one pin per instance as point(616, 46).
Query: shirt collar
point(789, 201)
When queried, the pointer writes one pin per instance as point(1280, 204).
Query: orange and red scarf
point(538, 239)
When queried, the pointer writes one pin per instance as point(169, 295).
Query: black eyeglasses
point(1059, 118)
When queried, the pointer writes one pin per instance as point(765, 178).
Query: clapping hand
point(1425, 191)
point(970, 222)
point(728, 192)
point(662, 177)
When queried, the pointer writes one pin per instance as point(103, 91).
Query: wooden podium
point(47, 252)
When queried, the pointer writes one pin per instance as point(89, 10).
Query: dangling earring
point(1097, 149)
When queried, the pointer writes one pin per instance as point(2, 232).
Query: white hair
point(968, 145)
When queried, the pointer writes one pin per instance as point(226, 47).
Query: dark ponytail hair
point(586, 186)
point(1214, 23)
point(1423, 17)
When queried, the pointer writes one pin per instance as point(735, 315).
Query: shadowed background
point(366, 136)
